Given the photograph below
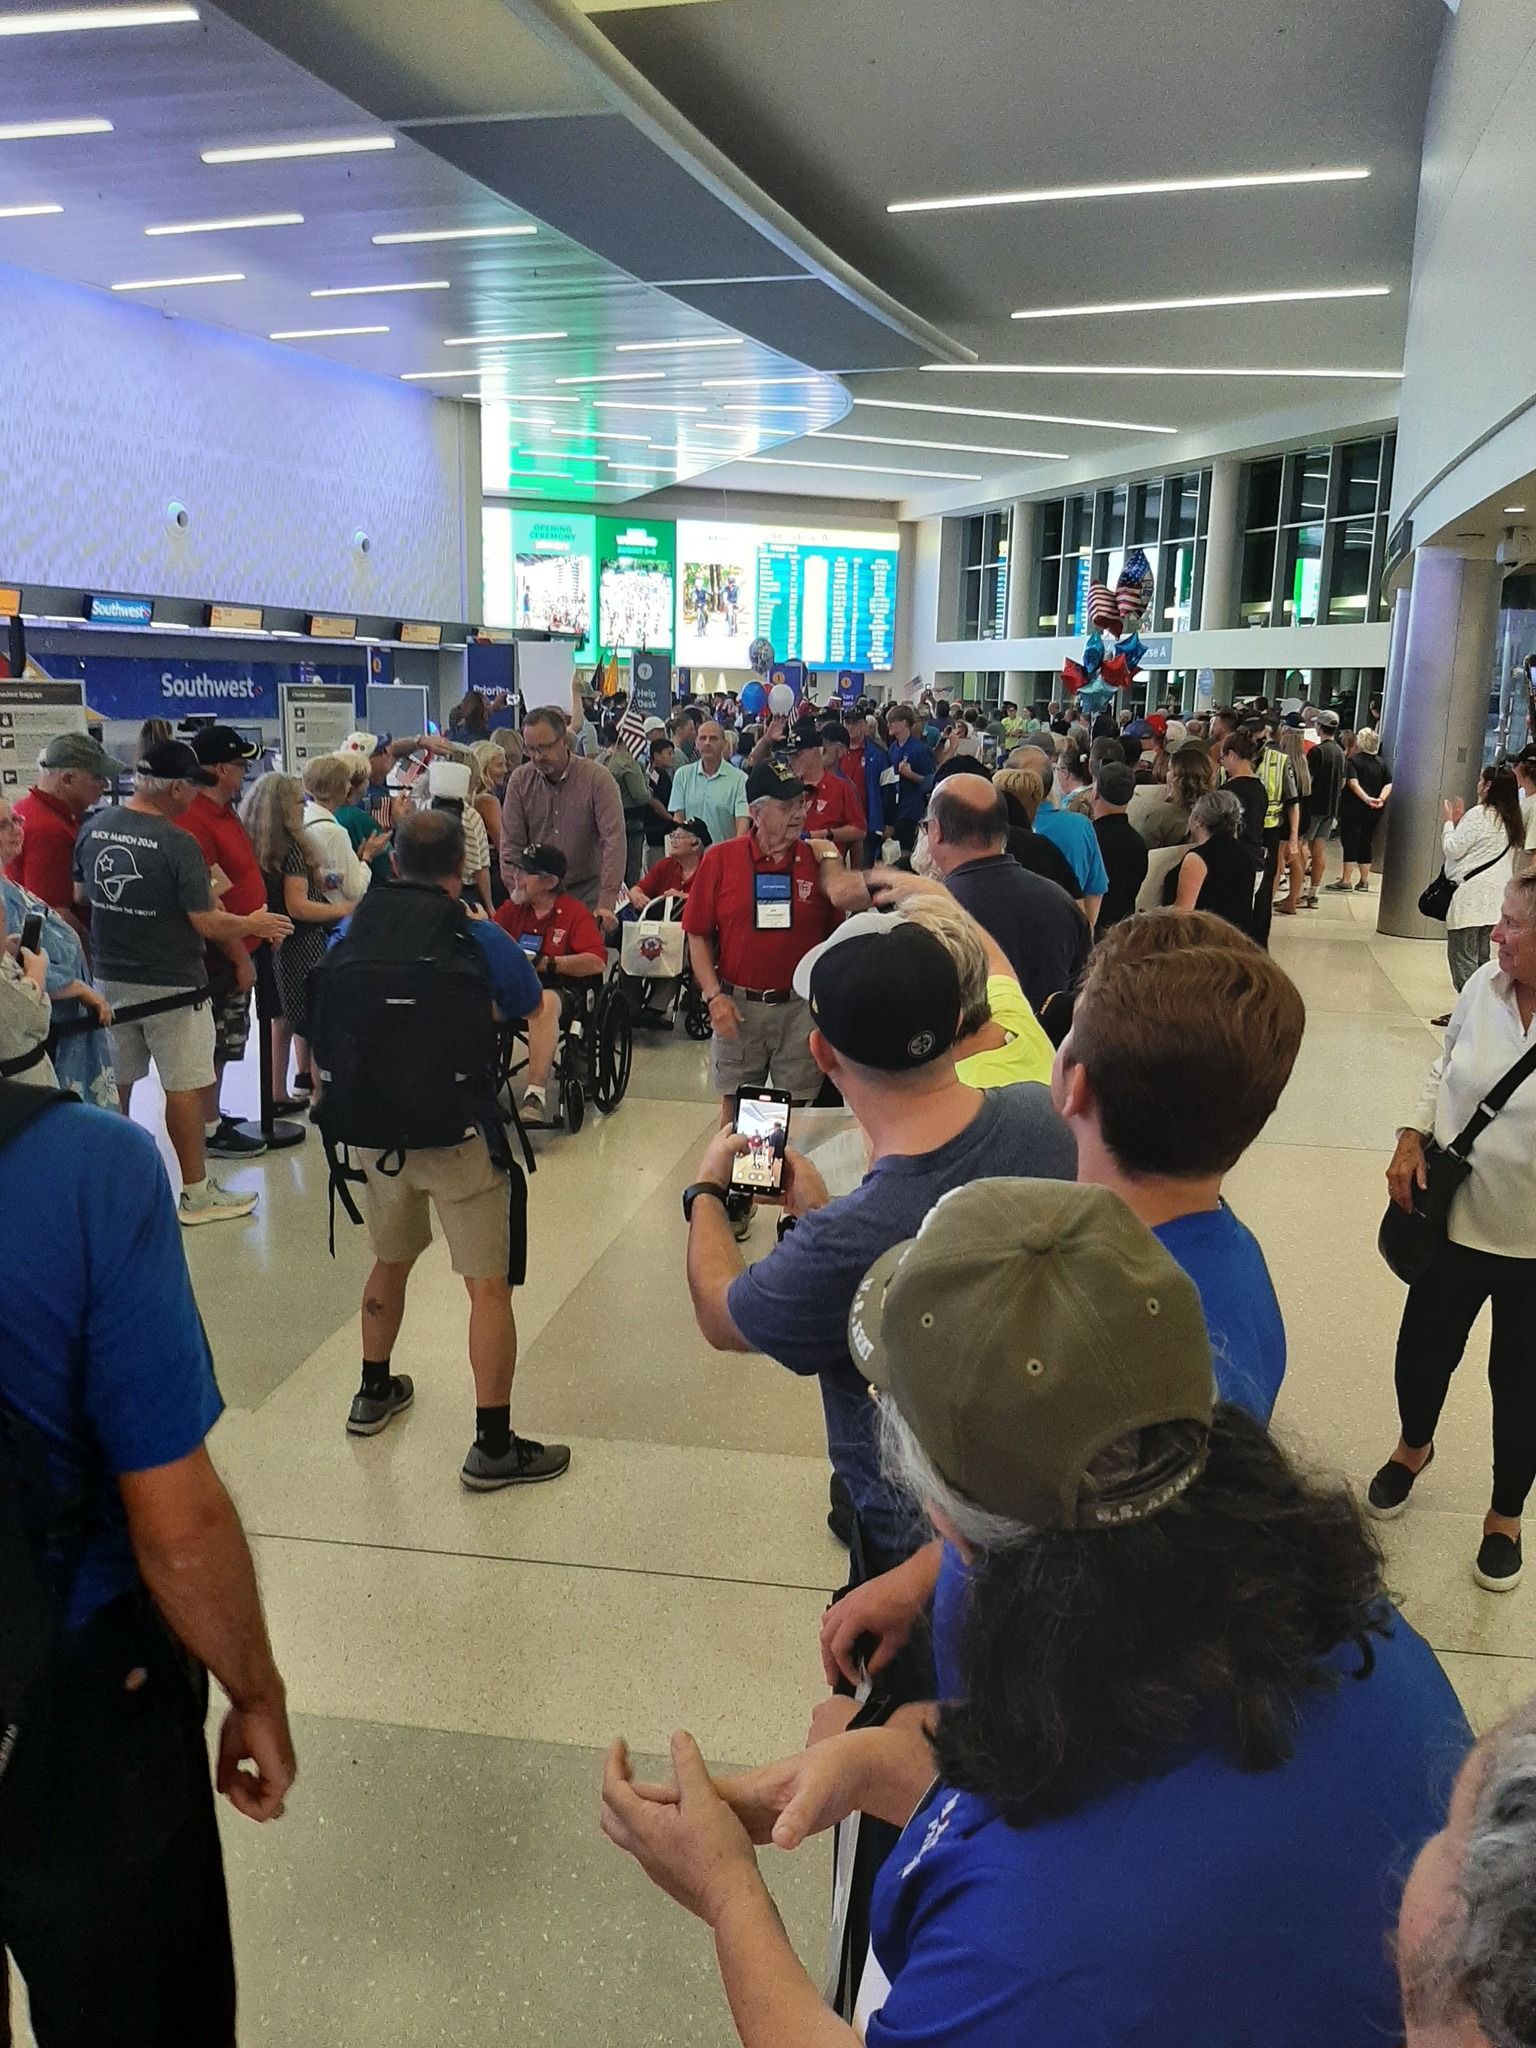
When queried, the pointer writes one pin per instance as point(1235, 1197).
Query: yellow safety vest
point(1272, 765)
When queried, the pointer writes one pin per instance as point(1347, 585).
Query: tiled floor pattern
point(457, 1664)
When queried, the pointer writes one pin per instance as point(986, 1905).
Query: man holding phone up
point(884, 1002)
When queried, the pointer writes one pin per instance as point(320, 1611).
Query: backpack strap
point(21, 1104)
point(1493, 1102)
point(341, 1174)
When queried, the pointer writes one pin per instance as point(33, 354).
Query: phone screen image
point(762, 1118)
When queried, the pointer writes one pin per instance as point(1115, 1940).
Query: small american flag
point(632, 730)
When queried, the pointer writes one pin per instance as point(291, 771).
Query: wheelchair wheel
point(696, 1015)
point(574, 1104)
point(612, 1049)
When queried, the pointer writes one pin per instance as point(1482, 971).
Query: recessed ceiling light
point(450, 235)
point(1144, 370)
point(1283, 298)
point(171, 284)
point(755, 383)
point(635, 348)
point(1034, 419)
point(40, 131)
point(219, 227)
point(945, 447)
point(638, 405)
point(365, 291)
point(953, 476)
point(619, 377)
point(273, 152)
point(1514, 508)
point(27, 212)
point(1042, 195)
point(486, 340)
point(322, 333)
point(72, 20)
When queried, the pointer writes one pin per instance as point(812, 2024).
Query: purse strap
point(1472, 876)
point(1492, 1103)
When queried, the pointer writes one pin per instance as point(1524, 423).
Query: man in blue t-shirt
point(1071, 833)
point(884, 996)
point(908, 775)
point(473, 1198)
point(1183, 1036)
point(111, 1881)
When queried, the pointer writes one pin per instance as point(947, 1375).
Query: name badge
point(532, 944)
point(771, 908)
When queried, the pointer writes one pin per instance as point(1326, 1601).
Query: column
point(1023, 546)
point(1219, 586)
point(1441, 723)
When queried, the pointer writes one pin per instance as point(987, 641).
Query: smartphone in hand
point(762, 1118)
point(32, 934)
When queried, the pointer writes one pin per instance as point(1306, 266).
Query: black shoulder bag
point(1410, 1239)
point(1435, 901)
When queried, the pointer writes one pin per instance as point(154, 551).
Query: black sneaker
point(1387, 1494)
point(526, 1463)
point(230, 1142)
point(1498, 1566)
point(370, 1413)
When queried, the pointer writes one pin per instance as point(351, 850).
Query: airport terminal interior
point(1042, 362)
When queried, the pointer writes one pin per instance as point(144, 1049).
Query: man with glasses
point(558, 799)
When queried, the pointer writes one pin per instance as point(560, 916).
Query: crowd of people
point(1103, 1641)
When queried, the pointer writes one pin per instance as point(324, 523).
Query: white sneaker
point(535, 1109)
point(213, 1205)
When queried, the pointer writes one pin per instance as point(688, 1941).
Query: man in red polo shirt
point(75, 771)
point(560, 936)
point(833, 809)
point(214, 823)
point(755, 910)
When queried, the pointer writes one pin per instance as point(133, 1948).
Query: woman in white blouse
point(344, 875)
point(1491, 1250)
point(1479, 844)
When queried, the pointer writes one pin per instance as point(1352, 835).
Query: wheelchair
point(593, 1054)
point(683, 1000)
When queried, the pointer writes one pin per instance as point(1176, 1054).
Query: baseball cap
point(1139, 729)
point(1328, 721)
point(1176, 734)
point(214, 744)
point(1293, 720)
point(365, 743)
point(541, 860)
point(79, 750)
point(1028, 1326)
point(173, 761)
point(697, 828)
point(883, 991)
point(655, 725)
point(772, 778)
point(833, 731)
point(449, 779)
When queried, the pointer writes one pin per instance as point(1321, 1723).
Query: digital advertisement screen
point(822, 597)
point(635, 584)
point(552, 574)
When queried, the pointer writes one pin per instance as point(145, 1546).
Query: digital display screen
point(764, 1124)
point(552, 574)
point(820, 596)
point(635, 584)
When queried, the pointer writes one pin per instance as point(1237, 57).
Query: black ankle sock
point(375, 1379)
point(493, 1430)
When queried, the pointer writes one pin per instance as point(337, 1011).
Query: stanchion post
point(277, 1134)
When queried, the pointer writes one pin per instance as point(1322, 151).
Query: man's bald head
point(967, 814)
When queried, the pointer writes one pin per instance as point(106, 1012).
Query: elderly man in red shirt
point(214, 823)
point(75, 771)
point(755, 910)
point(833, 809)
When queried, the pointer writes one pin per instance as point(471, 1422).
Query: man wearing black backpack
point(124, 1578)
point(403, 1023)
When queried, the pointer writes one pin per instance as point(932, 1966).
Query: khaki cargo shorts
point(467, 1189)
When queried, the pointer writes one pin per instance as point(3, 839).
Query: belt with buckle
point(759, 995)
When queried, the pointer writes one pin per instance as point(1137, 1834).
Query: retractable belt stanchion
point(276, 1133)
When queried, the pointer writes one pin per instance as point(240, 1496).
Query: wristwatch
point(702, 1187)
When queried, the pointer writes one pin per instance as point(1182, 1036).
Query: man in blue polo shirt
point(908, 775)
point(111, 1881)
point(1071, 832)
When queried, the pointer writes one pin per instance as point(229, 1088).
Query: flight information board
point(820, 596)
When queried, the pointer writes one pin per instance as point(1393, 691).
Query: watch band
point(702, 1187)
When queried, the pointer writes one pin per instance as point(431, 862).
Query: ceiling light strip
point(172, 284)
point(635, 348)
point(322, 333)
point(450, 235)
point(943, 447)
point(221, 227)
point(1241, 181)
point(500, 340)
point(1034, 419)
point(1278, 298)
point(637, 405)
point(276, 152)
point(1150, 370)
point(619, 377)
point(366, 291)
point(42, 131)
point(27, 212)
point(76, 20)
point(952, 476)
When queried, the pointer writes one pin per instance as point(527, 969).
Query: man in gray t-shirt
point(151, 903)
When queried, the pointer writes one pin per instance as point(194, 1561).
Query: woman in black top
point(1217, 874)
point(1367, 785)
